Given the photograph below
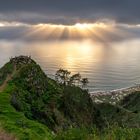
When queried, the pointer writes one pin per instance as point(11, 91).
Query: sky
point(18, 17)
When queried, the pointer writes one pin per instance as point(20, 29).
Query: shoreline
point(117, 91)
point(113, 96)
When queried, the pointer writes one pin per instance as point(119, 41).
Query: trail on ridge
point(8, 78)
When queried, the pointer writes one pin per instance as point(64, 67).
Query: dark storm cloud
point(70, 11)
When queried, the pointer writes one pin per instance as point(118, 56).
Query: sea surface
point(108, 66)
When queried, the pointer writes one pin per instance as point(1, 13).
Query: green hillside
point(35, 107)
point(31, 99)
point(132, 102)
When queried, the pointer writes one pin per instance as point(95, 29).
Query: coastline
point(113, 96)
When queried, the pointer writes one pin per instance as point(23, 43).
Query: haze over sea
point(108, 66)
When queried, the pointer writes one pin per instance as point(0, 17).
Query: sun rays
point(76, 31)
point(97, 32)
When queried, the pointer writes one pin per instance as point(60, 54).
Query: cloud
point(70, 11)
point(99, 32)
point(13, 30)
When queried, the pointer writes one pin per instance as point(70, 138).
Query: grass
point(16, 123)
point(5, 70)
point(113, 133)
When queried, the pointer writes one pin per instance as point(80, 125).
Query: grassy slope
point(113, 133)
point(118, 115)
point(16, 123)
point(132, 102)
point(41, 99)
point(5, 71)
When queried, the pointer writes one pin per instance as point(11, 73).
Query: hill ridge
point(31, 101)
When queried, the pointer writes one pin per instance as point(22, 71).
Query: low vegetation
point(4, 71)
point(35, 107)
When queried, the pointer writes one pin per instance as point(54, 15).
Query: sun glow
point(82, 26)
point(12, 24)
point(75, 26)
point(2, 25)
point(92, 31)
point(89, 25)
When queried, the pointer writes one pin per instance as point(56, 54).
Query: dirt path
point(8, 78)
point(2, 87)
point(6, 136)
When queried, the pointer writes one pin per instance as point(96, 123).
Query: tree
point(62, 76)
point(75, 79)
point(84, 82)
